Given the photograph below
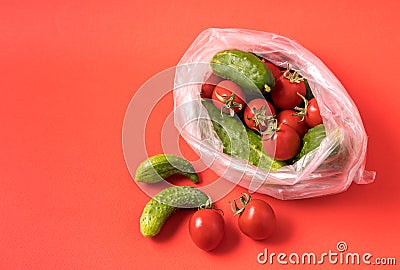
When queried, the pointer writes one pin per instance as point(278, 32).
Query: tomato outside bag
point(331, 168)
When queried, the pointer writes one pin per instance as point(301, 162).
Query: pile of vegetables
point(274, 103)
point(207, 226)
point(263, 114)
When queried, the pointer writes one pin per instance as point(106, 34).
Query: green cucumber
point(338, 152)
point(240, 141)
point(311, 140)
point(158, 210)
point(244, 69)
point(159, 167)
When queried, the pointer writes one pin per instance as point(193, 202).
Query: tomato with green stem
point(290, 118)
point(281, 143)
point(284, 94)
point(207, 228)
point(313, 117)
point(310, 113)
point(257, 219)
point(257, 114)
point(228, 97)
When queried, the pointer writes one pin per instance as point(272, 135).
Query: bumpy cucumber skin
point(153, 217)
point(163, 205)
point(240, 141)
point(244, 69)
point(159, 167)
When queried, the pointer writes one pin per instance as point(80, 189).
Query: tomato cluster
point(256, 217)
point(281, 116)
point(256, 220)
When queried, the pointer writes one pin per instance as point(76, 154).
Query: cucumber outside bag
point(331, 168)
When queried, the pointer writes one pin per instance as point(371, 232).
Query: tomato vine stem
point(244, 200)
point(228, 103)
point(301, 111)
point(260, 116)
point(293, 77)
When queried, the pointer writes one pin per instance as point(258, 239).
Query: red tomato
point(257, 113)
point(284, 94)
point(284, 144)
point(313, 116)
point(288, 117)
point(207, 228)
point(228, 97)
point(208, 86)
point(275, 70)
point(257, 220)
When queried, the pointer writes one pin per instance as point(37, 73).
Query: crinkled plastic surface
point(316, 174)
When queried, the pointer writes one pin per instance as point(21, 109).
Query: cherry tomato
point(257, 218)
point(288, 117)
point(285, 93)
point(208, 86)
point(275, 70)
point(228, 97)
point(207, 228)
point(257, 113)
point(283, 144)
point(313, 116)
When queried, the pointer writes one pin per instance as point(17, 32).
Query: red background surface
point(68, 70)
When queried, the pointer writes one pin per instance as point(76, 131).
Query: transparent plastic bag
point(324, 170)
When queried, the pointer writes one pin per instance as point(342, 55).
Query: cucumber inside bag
point(330, 168)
